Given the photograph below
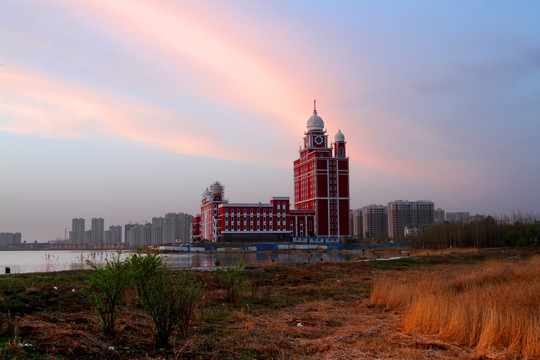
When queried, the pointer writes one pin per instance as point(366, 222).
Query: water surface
point(59, 260)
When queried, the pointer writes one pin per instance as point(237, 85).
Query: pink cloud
point(242, 79)
point(36, 104)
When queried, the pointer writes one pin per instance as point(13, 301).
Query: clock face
point(318, 140)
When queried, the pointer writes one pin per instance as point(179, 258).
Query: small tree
point(514, 237)
point(532, 233)
point(234, 280)
point(107, 287)
point(169, 300)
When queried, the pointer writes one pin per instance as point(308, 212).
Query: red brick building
point(321, 200)
point(321, 180)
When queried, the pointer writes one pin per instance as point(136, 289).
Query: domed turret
point(339, 137)
point(315, 122)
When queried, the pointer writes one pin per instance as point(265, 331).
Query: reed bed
point(492, 307)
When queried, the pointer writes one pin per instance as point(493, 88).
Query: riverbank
point(284, 311)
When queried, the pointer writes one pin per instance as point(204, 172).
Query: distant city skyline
point(123, 110)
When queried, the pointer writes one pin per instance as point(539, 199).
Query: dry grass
point(447, 251)
point(493, 307)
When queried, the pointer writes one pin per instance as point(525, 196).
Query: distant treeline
point(486, 232)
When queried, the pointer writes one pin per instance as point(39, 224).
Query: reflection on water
point(47, 261)
point(208, 260)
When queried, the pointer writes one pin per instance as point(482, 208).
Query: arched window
point(341, 152)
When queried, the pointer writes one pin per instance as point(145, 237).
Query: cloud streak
point(242, 79)
point(35, 104)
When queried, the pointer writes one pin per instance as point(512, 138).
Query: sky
point(127, 110)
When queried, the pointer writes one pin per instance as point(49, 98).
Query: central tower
point(321, 180)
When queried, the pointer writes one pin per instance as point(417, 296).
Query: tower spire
point(314, 105)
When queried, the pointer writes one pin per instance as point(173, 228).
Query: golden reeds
point(493, 306)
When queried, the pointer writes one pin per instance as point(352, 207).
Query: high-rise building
point(157, 230)
point(98, 230)
point(375, 221)
point(183, 227)
point(176, 228)
point(127, 228)
point(357, 223)
point(76, 235)
point(409, 214)
point(439, 216)
point(321, 180)
point(113, 235)
point(169, 228)
point(88, 237)
point(10, 239)
point(461, 216)
point(140, 235)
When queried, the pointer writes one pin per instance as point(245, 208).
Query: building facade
point(10, 239)
point(462, 216)
point(375, 221)
point(113, 235)
point(357, 228)
point(439, 216)
point(409, 214)
point(76, 235)
point(98, 230)
point(176, 228)
point(321, 199)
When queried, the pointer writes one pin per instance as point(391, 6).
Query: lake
point(58, 260)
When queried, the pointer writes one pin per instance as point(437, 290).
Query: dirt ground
point(304, 311)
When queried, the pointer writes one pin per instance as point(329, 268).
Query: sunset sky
point(129, 109)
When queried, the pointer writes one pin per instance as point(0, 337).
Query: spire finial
point(314, 105)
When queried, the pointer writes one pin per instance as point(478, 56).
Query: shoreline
point(252, 247)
